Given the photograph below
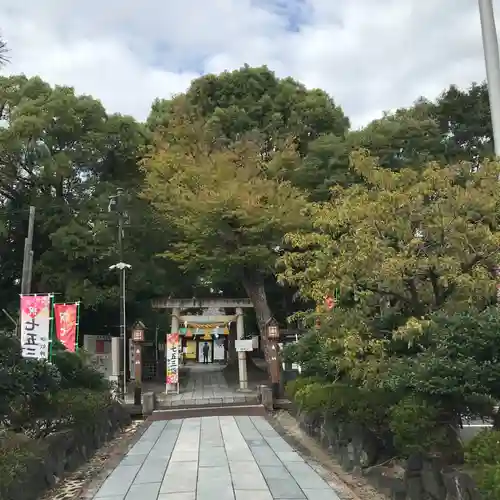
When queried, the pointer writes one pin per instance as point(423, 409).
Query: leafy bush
point(77, 407)
point(311, 353)
point(483, 454)
point(416, 426)
point(17, 454)
point(458, 365)
point(483, 449)
point(32, 392)
point(20, 455)
point(315, 396)
point(294, 386)
point(75, 371)
point(344, 401)
point(25, 392)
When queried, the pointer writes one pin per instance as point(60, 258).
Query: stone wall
point(361, 452)
point(65, 451)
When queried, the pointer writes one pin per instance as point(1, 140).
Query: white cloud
point(369, 55)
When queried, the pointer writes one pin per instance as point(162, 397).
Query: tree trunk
point(253, 282)
point(254, 286)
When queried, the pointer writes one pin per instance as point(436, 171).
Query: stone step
point(208, 411)
point(192, 402)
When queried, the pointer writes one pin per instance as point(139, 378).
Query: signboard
point(200, 303)
point(66, 318)
point(172, 359)
point(102, 364)
point(35, 326)
point(138, 335)
point(243, 345)
point(99, 348)
point(205, 332)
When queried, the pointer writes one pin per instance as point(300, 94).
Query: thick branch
point(385, 293)
point(415, 301)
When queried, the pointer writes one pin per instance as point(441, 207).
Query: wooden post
point(273, 336)
point(138, 373)
point(137, 339)
point(275, 367)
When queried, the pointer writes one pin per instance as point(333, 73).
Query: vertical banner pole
point(166, 363)
point(77, 325)
point(52, 325)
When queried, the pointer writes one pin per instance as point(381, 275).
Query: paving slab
point(214, 458)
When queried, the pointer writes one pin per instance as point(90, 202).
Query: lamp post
point(122, 267)
point(273, 336)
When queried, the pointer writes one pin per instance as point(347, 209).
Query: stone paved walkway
point(203, 384)
point(214, 458)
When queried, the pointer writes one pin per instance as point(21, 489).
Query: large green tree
point(253, 103)
point(406, 138)
point(275, 115)
point(230, 213)
point(65, 155)
point(399, 246)
point(464, 119)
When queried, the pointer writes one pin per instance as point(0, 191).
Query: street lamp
point(273, 335)
point(122, 267)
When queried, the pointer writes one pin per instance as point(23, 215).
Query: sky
point(371, 56)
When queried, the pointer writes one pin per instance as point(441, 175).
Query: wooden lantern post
point(273, 336)
point(137, 340)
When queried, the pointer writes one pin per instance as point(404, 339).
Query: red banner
point(66, 316)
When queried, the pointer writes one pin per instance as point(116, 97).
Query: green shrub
point(487, 479)
point(483, 449)
point(79, 407)
point(483, 455)
point(17, 454)
point(294, 386)
point(25, 390)
point(344, 401)
point(75, 372)
point(315, 396)
point(29, 389)
point(311, 354)
point(457, 364)
point(416, 427)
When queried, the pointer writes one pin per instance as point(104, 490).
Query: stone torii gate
point(178, 306)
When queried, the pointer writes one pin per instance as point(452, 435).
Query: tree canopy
point(225, 170)
point(65, 155)
point(400, 246)
point(252, 184)
point(228, 207)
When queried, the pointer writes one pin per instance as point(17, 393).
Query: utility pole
point(492, 60)
point(117, 202)
point(28, 255)
point(123, 324)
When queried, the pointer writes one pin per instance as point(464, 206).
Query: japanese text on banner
point(66, 318)
point(172, 358)
point(35, 326)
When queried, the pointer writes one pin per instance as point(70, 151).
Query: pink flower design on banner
point(33, 305)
